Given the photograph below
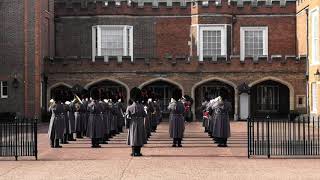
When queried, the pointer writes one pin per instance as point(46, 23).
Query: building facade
point(26, 37)
point(308, 13)
point(247, 49)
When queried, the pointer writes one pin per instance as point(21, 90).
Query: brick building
point(308, 44)
point(245, 48)
point(26, 37)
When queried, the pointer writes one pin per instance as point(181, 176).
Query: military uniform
point(176, 122)
point(222, 123)
point(57, 124)
point(95, 129)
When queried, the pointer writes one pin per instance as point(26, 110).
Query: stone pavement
point(199, 158)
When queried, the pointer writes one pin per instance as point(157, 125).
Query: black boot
point(79, 135)
point(179, 142)
point(56, 145)
point(132, 151)
point(174, 143)
point(52, 143)
point(70, 137)
point(139, 151)
point(65, 139)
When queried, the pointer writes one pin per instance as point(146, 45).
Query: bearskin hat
point(176, 94)
point(135, 94)
point(95, 94)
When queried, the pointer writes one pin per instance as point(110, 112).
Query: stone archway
point(213, 84)
point(108, 84)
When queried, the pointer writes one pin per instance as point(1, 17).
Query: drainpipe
point(307, 62)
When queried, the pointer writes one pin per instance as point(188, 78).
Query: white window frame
point(96, 35)
point(222, 28)
point(314, 13)
point(1, 89)
point(314, 97)
point(242, 39)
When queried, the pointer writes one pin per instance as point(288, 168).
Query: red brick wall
point(172, 36)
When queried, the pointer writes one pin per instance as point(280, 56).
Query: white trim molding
point(211, 27)
point(97, 40)
point(3, 96)
point(314, 36)
point(264, 29)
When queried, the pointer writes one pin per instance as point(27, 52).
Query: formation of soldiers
point(97, 118)
point(216, 119)
point(101, 119)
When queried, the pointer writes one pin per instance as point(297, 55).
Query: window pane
point(112, 41)
point(253, 42)
point(211, 43)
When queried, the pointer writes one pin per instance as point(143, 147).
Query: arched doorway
point(109, 89)
point(161, 89)
point(270, 98)
point(62, 91)
point(213, 89)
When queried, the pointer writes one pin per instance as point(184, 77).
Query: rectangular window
point(4, 89)
point(253, 41)
point(268, 98)
point(315, 36)
point(213, 41)
point(314, 94)
point(112, 40)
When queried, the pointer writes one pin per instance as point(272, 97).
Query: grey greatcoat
point(120, 112)
point(107, 117)
point(135, 116)
point(222, 122)
point(95, 122)
point(57, 126)
point(151, 108)
point(176, 119)
point(205, 119)
point(147, 121)
point(80, 116)
point(86, 114)
point(72, 119)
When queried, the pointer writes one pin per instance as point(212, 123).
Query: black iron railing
point(18, 137)
point(283, 137)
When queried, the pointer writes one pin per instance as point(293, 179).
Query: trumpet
point(76, 98)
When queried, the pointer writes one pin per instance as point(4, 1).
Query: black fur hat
point(135, 94)
point(95, 94)
point(176, 94)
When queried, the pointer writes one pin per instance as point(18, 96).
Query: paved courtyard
point(199, 158)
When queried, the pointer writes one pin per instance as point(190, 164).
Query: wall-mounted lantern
point(317, 75)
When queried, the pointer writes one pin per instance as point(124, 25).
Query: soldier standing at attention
point(95, 129)
point(176, 118)
point(57, 122)
point(135, 116)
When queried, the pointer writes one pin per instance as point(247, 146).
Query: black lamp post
point(15, 82)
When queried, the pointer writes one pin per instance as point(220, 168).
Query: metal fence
point(18, 137)
point(283, 137)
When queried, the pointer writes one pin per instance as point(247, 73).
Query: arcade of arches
point(265, 97)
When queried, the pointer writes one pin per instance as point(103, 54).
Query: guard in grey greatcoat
point(176, 118)
point(152, 115)
point(79, 114)
point(86, 115)
point(205, 114)
point(135, 116)
point(95, 129)
point(222, 123)
point(57, 123)
point(72, 121)
point(147, 121)
point(120, 109)
point(157, 111)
